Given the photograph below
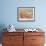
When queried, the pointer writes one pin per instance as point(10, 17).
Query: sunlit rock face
point(26, 13)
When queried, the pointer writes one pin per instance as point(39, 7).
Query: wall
point(9, 13)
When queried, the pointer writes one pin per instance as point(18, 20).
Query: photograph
point(22, 23)
point(26, 13)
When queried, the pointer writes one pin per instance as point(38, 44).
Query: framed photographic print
point(26, 13)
